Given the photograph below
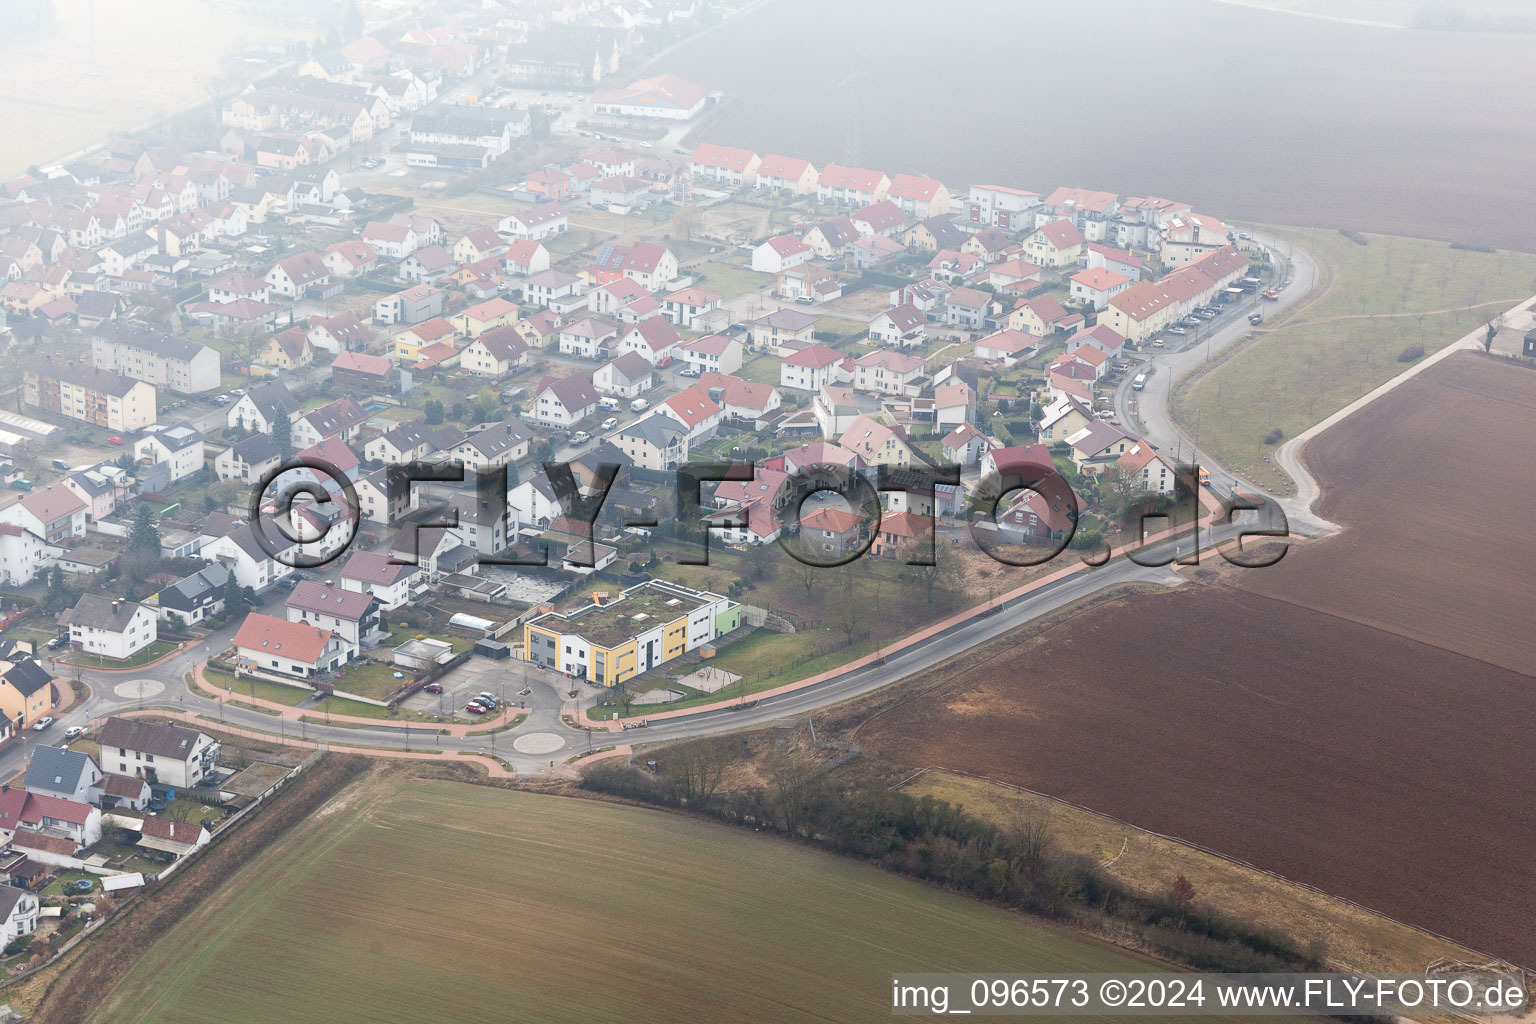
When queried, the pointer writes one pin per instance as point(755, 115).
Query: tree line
point(1017, 865)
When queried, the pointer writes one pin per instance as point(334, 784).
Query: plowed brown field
point(1358, 717)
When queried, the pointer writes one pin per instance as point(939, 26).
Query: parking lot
point(502, 678)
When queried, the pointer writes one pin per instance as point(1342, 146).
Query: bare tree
point(697, 767)
point(848, 617)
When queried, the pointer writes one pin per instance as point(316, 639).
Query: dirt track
point(1355, 718)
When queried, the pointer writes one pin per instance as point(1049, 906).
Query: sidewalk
point(492, 767)
point(293, 714)
point(1209, 502)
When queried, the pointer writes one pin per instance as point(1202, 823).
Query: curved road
point(546, 739)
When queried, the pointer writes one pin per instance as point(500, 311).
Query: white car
point(689, 371)
point(580, 437)
point(42, 723)
point(610, 423)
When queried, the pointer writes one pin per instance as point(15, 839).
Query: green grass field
point(414, 901)
point(1399, 293)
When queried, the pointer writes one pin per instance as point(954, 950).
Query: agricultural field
point(360, 913)
point(1354, 718)
point(1374, 302)
point(1358, 939)
point(70, 88)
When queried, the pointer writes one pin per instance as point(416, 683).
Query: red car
point(474, 709)
point(433, 688)
point(114, 440)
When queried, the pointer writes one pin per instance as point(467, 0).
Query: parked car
point(74, 732)
point(691, 371)
point(610, 423)
point(805, 300)
point(1206, 315)
point(1255, 318)
point(489, 698)
point(1177, 331)
point(474, 709)
point(221, 400)
point(433, 688)
point(1159, 343)
point(42, 723)
point(58, 641)
point(580, 437)
point(114, 440)
point(639, 405)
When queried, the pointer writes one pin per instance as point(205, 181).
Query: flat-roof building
point(651, 623)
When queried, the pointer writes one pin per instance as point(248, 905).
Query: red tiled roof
point(293, 640)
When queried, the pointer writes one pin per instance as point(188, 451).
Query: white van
point(639, 405)
point(608, 404)
point(1140, 383)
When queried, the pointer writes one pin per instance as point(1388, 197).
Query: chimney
point(115, 604)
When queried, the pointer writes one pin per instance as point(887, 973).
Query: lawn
point(729, 280)
point(158, 649)
point(762, 368)
point(1397, 292)
point(418, 901)
point(1357, 938)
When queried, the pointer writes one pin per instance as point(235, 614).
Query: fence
point(223, 830)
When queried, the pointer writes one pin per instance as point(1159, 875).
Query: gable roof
point(94, 611)
point(55, 769)
point(322, 598)
point(156, 738)
point(296, 641)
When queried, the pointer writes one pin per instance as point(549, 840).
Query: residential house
point(918, 196)
point(290, 648)
point(564, 402)
point(260, 407)
point(786, 173)
point(1096, 286)
point(887, 372)
point(193, 599)
point(591, 337)
point(492, 447)
point(780, 253)
point(657, 443)
point(170, 755)
point(361, 373)
point(713, 353)
point(110, 627)
point(653, 339)
point(876, 443)
point(625, 376)
point(782, 331)
point(495, 353)
point(1055, 244)
point(967, 308)
point(61, 773)
point(178, 446)
point(998, 206)
point(485, 316)
point(690, 307)
point(99, 398)
point(743, 401)
point(351, 616)
point(27, 693)
point(55, 514)
point(387, 581)
point(249, 460)
point(535, 223)
point(724, 165)
point(902, 326)
point(695, 411)
point(813, 368)
point(851, 186)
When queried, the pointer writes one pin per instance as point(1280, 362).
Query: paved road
point(543, 740)
point(1165, 368)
